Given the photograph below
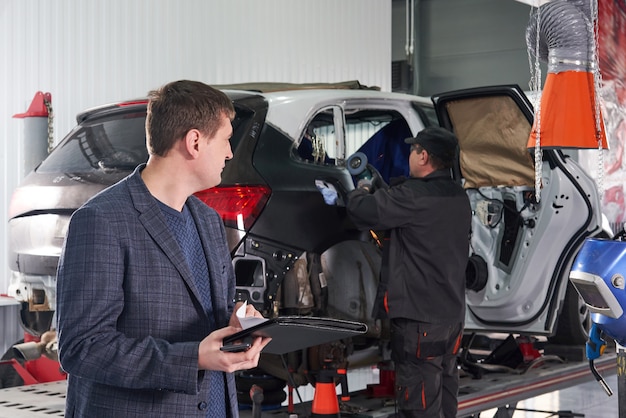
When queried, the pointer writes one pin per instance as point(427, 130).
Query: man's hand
point(250, 311)
point(210, 357)
point(364, 184)
point(377, 178)
point(328, 191)
point(373, 182)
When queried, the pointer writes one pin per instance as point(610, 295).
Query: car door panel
point(526, 244)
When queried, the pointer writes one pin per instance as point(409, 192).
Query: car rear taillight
point(239, 206)
point(133, 103)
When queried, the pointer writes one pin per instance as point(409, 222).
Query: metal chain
point(50, 125)
point(597, 78)
point(535, 86)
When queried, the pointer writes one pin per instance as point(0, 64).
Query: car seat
point(387, 151)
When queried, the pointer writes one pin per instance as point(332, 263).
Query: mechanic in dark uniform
point(428, 217)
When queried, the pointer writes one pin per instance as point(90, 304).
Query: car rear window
point(114, 143)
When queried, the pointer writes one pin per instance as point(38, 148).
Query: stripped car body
point(294, 254)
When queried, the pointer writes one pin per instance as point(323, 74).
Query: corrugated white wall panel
point(10, 331)
point(87, 53)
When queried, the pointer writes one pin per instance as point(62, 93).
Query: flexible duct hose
point(562, 33)
point(565, 33)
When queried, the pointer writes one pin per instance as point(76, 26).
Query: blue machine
point(598, 274)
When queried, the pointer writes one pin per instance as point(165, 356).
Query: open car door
point(521, 249)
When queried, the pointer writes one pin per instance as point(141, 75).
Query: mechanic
point(145, 280)
point(428, 217)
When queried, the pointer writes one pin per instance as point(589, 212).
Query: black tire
point(272, 398)
point(266, 382)
point(574, 321)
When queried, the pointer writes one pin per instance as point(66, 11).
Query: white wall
point(88, 52)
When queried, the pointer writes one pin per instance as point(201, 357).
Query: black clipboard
point(292, 333)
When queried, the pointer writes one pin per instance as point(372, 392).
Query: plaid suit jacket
point(129, 315)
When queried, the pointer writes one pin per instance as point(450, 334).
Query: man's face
point(216, 152)
point(417, 161)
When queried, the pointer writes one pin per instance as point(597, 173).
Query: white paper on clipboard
point(247, 321)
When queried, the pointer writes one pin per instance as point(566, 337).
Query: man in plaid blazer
point(145, 280)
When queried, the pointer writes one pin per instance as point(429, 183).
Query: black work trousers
point(427, 376)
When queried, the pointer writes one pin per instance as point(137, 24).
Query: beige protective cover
point(493, 137)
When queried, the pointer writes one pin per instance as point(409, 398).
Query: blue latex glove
point(328, 191)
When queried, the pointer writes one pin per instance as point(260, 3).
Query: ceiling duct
point(562, 33)
point(566, 40)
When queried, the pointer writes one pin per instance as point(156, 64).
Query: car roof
point(292, 105)
point(291, 110)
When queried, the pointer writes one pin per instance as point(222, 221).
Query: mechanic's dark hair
point(180, 106)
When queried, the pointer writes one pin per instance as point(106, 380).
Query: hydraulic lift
point(505, 391)
point(500, 390)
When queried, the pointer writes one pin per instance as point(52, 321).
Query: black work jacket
point(429, 223)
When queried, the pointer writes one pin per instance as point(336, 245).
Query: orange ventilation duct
point(569, 116)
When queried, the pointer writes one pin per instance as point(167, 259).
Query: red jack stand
point(386, 388)
point(21, 371)
point(325, 403)
point(37, 361)
point(527, 347)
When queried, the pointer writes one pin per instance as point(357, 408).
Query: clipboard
point(292, 333)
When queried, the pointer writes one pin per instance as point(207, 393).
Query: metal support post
point(621, 380)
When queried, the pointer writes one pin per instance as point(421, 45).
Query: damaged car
point(292, 253)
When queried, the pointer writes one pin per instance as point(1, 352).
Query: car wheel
point(273, 387)
point(244, 382)
point(574, 321)
point(271, 400)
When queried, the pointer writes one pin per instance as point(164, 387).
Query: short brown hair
point(180, 106)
